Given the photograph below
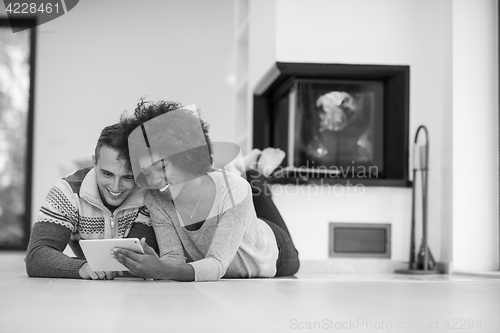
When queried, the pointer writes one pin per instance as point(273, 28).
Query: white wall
point(98, 59)
point(421, 34)
point(475, 135)
point(262, 52)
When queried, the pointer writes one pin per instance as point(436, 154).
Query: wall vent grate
point(361, 240)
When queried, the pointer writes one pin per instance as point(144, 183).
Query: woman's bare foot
point(269, 160)
point(265, 161)
point(240, 165)
point(250, 160)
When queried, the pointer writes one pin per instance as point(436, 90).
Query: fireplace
point(338, 123)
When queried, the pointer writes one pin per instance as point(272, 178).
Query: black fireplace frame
point(396, 79)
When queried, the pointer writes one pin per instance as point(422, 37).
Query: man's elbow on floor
point(29, 261)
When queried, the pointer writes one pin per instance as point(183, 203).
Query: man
point(95, 202)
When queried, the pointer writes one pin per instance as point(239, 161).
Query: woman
point(205, 220)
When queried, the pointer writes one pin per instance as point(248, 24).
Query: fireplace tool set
point(422, 262)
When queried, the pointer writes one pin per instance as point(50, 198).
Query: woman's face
point(163, 176)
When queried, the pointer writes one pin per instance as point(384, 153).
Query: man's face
point(114, 180)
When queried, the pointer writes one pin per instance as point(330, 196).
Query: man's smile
point(115, 194)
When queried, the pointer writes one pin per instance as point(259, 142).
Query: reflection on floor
point(307, 302)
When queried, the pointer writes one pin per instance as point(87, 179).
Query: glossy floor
point(307, 303)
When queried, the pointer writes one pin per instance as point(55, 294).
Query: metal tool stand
point(422, 262)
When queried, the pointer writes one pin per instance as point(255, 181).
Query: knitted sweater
point(232, 242)
point(73, 210)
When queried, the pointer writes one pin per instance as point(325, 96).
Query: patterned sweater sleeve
point(57, 219)
point(142, 228)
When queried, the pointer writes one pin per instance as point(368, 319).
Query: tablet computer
point(98, 252)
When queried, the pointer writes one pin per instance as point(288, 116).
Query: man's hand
point(147, 265)
point(87, 274)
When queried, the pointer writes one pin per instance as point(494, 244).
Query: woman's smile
point(164, 188)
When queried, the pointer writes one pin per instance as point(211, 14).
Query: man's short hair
point(114, 137)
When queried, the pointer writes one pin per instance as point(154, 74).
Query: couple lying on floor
point(153, 178)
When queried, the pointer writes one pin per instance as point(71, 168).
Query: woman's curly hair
point(193, 160)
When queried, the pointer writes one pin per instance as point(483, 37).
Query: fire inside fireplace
point(337, 127)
